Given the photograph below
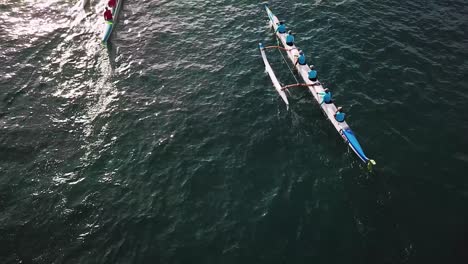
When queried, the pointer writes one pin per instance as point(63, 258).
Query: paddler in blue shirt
point(339, 115)
point(290, 38)
point(326, 96)
point(301, 59)
point(312, 74)
point(281, 28)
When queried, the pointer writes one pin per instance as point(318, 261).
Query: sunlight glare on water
point(170, 144)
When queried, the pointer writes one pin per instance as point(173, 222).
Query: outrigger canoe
point(109, 26)
point(316, 89)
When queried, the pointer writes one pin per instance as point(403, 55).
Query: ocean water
point(170, 144)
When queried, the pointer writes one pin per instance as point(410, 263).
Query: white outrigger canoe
point(316, 90)
point(109, 26)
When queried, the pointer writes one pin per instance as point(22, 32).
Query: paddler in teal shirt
point(301, 59)
point(290, 38)
point(326, 96)
point(312, 74)
point(339, 115)
point(281, 28)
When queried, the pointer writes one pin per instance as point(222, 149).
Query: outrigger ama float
point(317, 90)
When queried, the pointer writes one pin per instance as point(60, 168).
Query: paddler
point(281, 28)
point(301, 59)
point(339, 114)
point(111, 3)
point(312, 74)
point(326, 96)
point(107, 14)
point(290, 38)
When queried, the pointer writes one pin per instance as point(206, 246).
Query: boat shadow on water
point(111, 52)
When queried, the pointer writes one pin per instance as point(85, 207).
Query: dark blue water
point(170, 145)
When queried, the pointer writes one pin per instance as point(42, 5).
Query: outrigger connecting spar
point(316, 88)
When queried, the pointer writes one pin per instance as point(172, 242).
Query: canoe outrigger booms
point(315, 88)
